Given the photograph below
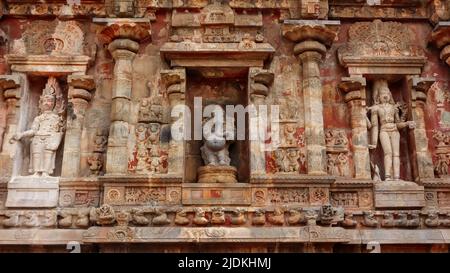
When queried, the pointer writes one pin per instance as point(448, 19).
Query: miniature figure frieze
point(442, 153)
point(337, 152)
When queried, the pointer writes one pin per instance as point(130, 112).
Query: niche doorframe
point(182, 57)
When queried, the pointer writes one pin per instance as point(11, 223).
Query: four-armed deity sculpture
point(215, 152)
point(215, 147)
point(46, 131)
point(385, 122)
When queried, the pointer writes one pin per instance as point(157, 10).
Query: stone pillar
point(259, 83)
point(80, 88)
point(312, 98)
point(175, 84)
point(10, 87)
point(123, 52)
point(420, 87)
point(355, 97)
point(123, 37)
point(312, 38)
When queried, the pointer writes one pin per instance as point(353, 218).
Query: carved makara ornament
point(385, 124)
point(47, 130)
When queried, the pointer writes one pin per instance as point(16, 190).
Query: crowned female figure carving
point(385, 123)
point(46, 131)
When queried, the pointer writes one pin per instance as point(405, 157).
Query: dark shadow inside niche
point(400, 94)
point(36, 86)
point(227, 86)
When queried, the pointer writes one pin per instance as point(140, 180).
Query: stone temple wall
point(359, 150)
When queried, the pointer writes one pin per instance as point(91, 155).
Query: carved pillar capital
point(353, 88)
point(81, 86)
point(260, 82)
point(136, 29)
point(322, 31)
point(174, 81)
point(421, 86)
point(123, 49)
point(440, 37)
point(10, 88)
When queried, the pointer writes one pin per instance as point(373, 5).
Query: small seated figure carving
point(369, 219)
point(181, 218)
point(296, 217)
point(238, 217)
point(348, 220)
point(259, 217)
point(277, 218)
point(200, 219)
point(161, 218)
point(218, 216)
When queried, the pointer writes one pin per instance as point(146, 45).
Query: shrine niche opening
point(220, 87)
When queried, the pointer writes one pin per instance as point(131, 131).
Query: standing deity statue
point(46, 131)
point(385, 122)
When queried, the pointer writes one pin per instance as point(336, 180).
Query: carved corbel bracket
point(440, 37)
point(173, 81)
point(261, 80)
point(9, 85)
point(323, 31)
point(81, 87)
point(353, 88)
point(421, 87)
point(135, 29)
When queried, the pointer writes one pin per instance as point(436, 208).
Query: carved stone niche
point(50, 50)
point(382, 48)
point(385, 53)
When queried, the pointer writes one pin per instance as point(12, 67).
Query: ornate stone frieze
point(381, 48)
point(50, 37)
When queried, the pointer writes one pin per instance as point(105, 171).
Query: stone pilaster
point(10, 88)
point(259, 81)
point(175, 85)
point(440, 37)
point(80, 88)
point(123, 52)
point(123, 37)
point(355, 97)
point(420, 87)
point(312, 38)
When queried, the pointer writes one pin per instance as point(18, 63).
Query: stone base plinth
point(398, 194)
point(217, 174)
point(33, 192)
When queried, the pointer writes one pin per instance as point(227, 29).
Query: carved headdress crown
point(380, 87)
point(52, 91)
